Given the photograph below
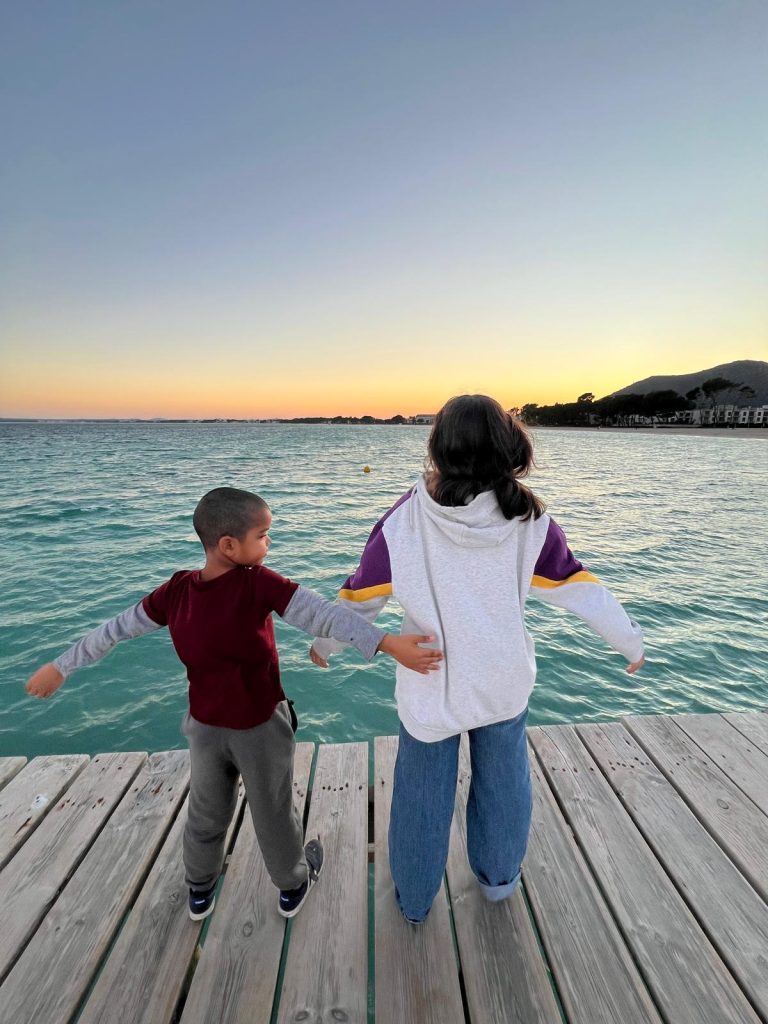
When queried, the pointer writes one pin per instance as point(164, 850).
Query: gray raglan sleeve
point(308, 611)
point(100, 641)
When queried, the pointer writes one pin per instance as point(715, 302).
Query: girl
point(461, 551)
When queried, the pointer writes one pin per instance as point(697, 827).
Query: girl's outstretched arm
point(560, 579)
point(92, 647)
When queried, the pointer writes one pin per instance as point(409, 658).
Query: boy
point(238, 721)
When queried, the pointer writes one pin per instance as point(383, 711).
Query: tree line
point(622, 410)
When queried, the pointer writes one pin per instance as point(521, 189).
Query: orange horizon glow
point(134, 394)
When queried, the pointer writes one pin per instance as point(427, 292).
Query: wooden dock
point(644, 899)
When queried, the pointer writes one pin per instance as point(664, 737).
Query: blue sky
point(269, 209)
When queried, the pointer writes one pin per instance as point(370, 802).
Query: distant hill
point(753, 372)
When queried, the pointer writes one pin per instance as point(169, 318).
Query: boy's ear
point(226, 545)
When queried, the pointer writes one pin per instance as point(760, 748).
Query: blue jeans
point(498, 812)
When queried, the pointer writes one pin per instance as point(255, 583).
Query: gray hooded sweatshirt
point(463, 575)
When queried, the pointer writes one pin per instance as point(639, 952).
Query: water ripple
point(92, 516)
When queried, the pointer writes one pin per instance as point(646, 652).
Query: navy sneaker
point(201, 904)
point(291, 901)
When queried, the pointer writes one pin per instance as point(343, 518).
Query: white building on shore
point(725, 415)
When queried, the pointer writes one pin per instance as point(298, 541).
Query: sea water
point(94, 515)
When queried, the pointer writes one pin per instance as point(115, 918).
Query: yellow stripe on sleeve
point(578, 577)
point(382, 590)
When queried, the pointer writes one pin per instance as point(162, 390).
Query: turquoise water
point(93, 515)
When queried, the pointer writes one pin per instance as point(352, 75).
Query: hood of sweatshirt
point(479, 524)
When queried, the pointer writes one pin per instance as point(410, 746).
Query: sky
point(273, 209)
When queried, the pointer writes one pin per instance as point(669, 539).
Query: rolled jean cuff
point(494, 893)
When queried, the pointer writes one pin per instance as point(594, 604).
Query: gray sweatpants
point(264, 757)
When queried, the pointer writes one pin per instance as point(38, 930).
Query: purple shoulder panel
point(375, 568)
point(556, 561)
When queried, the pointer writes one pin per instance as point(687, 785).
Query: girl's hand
point(406, 650)
point(45, 681)
point(636, 665)
point(316, 659)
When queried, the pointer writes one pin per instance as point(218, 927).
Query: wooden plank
point(147, 966)
point(505, 978)
point(752, 724)
point(689, 982)
point(33, 880)
point(417, 979)
point(733, 915)
point(735, 822)
point(9, 767)
point(149, 963)
point(235, 979)
point(735, 755)
point(26, 800)
point(597, 979)
point(76, 933)
point(326, 970)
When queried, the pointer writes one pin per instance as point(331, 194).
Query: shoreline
point(756, 432)
point(687, 430)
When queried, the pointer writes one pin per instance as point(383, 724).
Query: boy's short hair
point(226, 512)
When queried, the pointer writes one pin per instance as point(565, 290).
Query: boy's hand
point(636, 665)
point(406, 650)
point(316, 659)
point(45, 681)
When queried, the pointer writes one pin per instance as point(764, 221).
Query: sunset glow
point(326, 210)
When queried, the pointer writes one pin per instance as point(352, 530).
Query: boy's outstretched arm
point(560, 579)
point(320, 618)
point(92, 647)
point(366, 591)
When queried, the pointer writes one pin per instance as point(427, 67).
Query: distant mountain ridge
point(752, 372)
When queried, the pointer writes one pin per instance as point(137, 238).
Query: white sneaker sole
point(204, 913)
point(294, 912)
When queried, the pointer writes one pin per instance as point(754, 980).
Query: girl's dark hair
point(476, 446)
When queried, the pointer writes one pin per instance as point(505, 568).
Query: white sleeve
point(367, 609)
point(597, 606)
point(318, 617)
point(100, 641)
point(560, 579)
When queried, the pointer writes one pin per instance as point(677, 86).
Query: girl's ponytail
point(476, 446)
point(514, 498)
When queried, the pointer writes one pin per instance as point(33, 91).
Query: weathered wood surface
point(645, 876)
point(149, 963)
point(753, 725)
point(732, 818)
point(416, 971)
point(733, 915)
point(505, 977)
point(33, 879)
point(146, 969)
point(326, 970)
point(76, 932)
point(733, 753)
point(26, 799)
point(235, 980)
point(688, 980)
point(9, 767)
point(596, 977)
